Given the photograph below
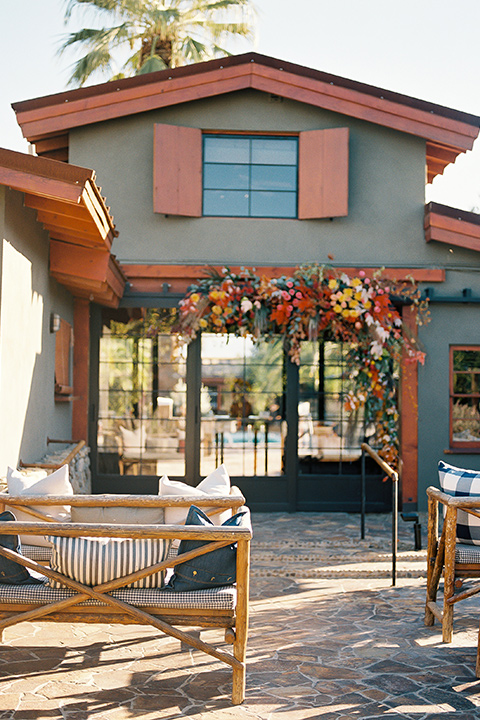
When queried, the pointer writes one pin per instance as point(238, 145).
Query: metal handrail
point(393, 475)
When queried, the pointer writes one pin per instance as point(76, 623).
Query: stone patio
point(330, 638)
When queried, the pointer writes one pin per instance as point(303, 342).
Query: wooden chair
point(455, 560)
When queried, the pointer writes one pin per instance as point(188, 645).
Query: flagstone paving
point(330, 638)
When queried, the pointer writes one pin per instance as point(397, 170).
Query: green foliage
point(156, 33)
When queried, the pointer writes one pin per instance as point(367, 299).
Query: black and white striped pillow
point(462, 483)
point(93, 561)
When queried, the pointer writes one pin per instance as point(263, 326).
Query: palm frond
point(152, 64)
point(88, 64)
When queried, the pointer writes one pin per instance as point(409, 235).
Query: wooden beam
point(409, 416)
point(38, 202)
point(81, 368)
point(39, 185)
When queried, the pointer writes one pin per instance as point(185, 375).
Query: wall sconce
point(54, 322)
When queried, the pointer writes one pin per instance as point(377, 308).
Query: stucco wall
point(28, 413)
point(451, 324)
point(387, 177)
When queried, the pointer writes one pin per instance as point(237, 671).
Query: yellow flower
point(214, 294)
point(203, 323)
point(217, 321)
point(368, 304)
point(353, 303)
point(337, 308)
point(332, 283)
point(358, 295)
point(217, 309)
point(348, 292)
point(356, 282)
point(345, 313)
point(195, 297)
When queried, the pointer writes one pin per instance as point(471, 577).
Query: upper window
point(465, 396)
point(250, 176)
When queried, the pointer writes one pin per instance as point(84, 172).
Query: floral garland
point(318, 302)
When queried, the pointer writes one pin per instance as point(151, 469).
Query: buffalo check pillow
point(462, 483)
point(93, 561)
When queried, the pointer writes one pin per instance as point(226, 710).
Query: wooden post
point(409, 418)
point(241, 629)
point(81, 368)
point(432, 545)
point(449, 572)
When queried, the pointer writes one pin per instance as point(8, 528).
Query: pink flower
point(285, 295)
point(361, 273)
point(289, 284)
point(298, 294)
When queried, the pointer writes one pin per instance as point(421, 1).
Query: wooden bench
point(111, 602)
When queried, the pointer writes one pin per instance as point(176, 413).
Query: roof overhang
point(47, 121)
point(451, 226)
point(70, 207)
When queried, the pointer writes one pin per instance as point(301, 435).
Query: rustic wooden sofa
point(165, 610)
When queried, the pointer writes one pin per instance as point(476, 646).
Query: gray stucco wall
point(28, 413)
point(387, 178)
point(451, 324)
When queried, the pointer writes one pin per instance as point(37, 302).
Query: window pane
point(274, 177)
point(226, 149)
point(466, 359)
point(225, 202)
point(269, 151)
point(465, 420)
point(462, 383)
point(226, 177)
point(271, 204)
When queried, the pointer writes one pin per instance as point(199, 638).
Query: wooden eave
point(46, 121)
point(70, 207)
point(451, 226)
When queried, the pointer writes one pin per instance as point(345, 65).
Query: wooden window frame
point(469, 445)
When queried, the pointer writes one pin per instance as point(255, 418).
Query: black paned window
point(250, 176)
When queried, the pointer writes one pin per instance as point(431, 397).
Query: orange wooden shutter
point(323, 173)
point(63, 343)
point(177, 170)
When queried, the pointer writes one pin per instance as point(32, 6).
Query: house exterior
point(253, 162)
point(47, 209)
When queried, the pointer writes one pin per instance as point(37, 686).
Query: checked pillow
point(459, 482)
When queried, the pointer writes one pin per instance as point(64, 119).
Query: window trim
point(469, 445)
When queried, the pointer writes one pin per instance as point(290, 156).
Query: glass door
point(142, 394)
point(242, 406)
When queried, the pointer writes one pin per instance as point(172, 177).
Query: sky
point(427, 49)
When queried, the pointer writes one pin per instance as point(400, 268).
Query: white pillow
point(217, 483)
point(133, 441)
point(37, 483)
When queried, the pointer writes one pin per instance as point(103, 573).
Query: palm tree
point(156, 34)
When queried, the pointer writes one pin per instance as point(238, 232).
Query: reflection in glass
point(242, 421)
point(142, 394)
point(327, 437)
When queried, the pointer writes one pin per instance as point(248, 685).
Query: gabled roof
point(451, 226)
point(46, 121)
point(70, 207)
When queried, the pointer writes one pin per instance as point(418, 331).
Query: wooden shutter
point(63, 343)
point(177, 170)
point(323, 173)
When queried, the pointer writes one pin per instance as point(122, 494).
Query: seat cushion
point(468, 554)
point(212, 599)
point(460, 482)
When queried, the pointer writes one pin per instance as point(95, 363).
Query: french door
point(162, 407)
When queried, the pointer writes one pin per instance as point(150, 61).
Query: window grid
point(465, 397)
point(250, 165)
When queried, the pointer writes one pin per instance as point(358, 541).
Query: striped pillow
point(93, 561)
point(462, 483)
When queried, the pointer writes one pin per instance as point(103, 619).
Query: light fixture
point(54, 322)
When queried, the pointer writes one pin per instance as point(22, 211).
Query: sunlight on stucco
point(21, 307)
